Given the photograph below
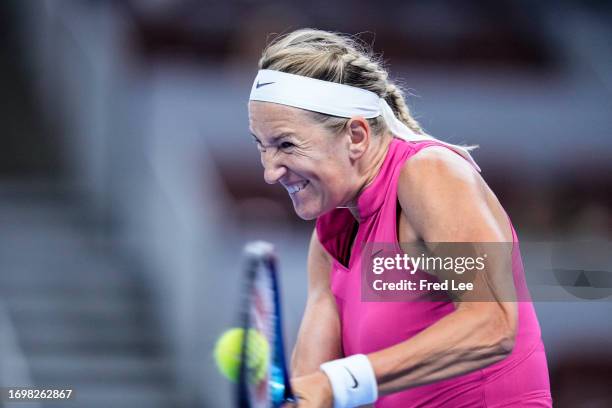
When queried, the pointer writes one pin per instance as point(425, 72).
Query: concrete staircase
point(81, 313)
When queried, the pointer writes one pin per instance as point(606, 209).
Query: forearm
point(459, 343)
point(318, 338)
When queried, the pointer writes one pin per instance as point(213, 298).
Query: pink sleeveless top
point(520, 380)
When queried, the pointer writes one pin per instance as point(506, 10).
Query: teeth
point(294, 188)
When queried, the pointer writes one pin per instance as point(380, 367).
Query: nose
point(273, 170)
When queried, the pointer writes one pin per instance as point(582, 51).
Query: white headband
point(335, 99)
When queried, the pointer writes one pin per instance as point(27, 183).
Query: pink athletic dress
point(520, 380)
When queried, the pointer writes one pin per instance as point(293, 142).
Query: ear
point(359, 136)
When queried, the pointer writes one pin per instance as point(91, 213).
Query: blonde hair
point(337, 58)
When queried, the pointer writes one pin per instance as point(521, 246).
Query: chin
point(307, 214)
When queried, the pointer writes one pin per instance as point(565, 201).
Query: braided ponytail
point(337, 58)
point(396, 101)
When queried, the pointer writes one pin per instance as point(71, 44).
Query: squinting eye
point(259, 145)
point(286, 145)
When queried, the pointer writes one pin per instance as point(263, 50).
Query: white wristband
point(352, 380)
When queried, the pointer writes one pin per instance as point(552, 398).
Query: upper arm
point(319, 268)
point(319, 337)
point(444, 199)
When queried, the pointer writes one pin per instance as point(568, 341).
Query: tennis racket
point(261, 317)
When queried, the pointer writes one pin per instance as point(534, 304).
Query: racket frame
point(258, 254)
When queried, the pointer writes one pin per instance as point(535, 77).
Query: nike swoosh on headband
point(259, 85)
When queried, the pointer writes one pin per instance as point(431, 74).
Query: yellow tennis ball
point(228, 351)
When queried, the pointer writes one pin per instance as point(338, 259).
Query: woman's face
point(312, 163)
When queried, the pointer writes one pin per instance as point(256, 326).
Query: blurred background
point(129, 182)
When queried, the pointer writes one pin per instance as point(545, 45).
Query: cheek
point(334, 180)
point(328, 170)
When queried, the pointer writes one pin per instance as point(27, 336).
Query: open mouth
point(297, 187)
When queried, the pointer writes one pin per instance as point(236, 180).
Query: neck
point(373, 161)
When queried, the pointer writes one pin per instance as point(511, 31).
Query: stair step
point(25, 286)
point(119, 396)
point(90, 339)
point(11, 291)
point(74, 284)
point(142, 348)
point(48, 305)
point(57, 333)
point(88, 272)
point(75, 318)
point(97, 369)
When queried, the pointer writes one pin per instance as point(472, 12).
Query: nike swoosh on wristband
point(259, 85)
point(353, 377)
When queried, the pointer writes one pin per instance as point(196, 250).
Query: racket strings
point(260, 339)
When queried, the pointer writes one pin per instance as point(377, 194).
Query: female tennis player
point(336, 133)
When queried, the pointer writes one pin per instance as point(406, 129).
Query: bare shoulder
point(444, 198)
point(438, 164)
point(436, 175)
